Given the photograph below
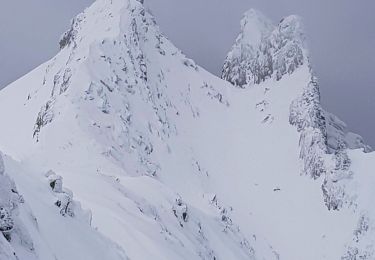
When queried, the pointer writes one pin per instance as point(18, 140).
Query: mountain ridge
point(172, 160)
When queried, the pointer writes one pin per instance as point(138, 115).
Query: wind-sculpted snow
point(308, 116)
point(32, 228)
point(324, 139)
point(337, 132)
point(172, 162)
point(324, 144)
point(115, 105)
point(324, 148)
point(275, 51)
point(9, 221)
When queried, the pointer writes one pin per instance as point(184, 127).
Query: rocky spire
point(264, 51)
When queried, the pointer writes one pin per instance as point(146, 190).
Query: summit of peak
point(291, 20)
point(255, 26)
point(163, 153)
point(254, 13)
point(292, 26)
point(264, 50)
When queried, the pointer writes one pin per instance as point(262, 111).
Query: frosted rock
point(55, 181)
point(6, 221)
point(180, 210)
point(263, 51)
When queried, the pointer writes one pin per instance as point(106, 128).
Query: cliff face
point(175, 163)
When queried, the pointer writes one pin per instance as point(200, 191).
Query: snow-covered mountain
point(167, 161)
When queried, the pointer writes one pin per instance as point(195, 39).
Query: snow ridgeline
point(119, 70)
point(175, 163)
point(270, 53)
point(324, 153)
point(125, 96)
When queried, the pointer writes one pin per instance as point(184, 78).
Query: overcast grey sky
point(341, 35)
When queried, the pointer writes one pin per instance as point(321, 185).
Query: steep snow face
point(33, 223)
point(175, 163)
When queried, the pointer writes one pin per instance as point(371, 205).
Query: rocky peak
point(108, 39)
point(291, 27)
point(255, 27)
point(264, 51)
point(120, 110)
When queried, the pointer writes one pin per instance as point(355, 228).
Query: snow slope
point(36, 226)
point(175, 163)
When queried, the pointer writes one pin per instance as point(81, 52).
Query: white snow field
point(167, 161)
